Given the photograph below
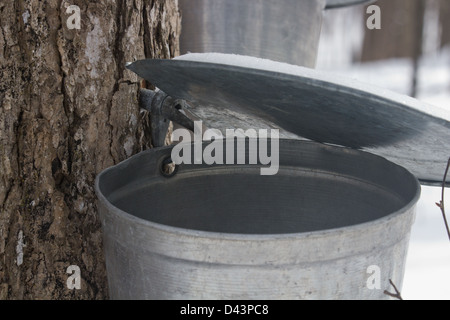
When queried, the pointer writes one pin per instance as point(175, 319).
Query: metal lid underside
point(246, 92)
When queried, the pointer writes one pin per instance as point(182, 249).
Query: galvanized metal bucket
point(282, 30)
point(317, 230)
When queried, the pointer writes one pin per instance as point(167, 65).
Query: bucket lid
point(230, 91)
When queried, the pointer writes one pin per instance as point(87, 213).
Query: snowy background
point(428, 264)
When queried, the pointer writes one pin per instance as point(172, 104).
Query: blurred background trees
point(409, 30)
point(444, 10)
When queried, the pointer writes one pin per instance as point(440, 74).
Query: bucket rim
point(379, 222)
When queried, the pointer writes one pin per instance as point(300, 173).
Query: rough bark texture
point(68, 110)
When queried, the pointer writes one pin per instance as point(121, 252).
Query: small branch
point(441, 204)
point(397, 293)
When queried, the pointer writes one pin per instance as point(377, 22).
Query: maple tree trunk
point(68, 110)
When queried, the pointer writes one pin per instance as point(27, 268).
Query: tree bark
point(68, 110)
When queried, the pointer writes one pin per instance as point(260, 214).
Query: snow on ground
point(428, 263)
point(427, 274)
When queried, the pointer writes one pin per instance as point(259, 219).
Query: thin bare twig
point(441, 204)
point(397, 293)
